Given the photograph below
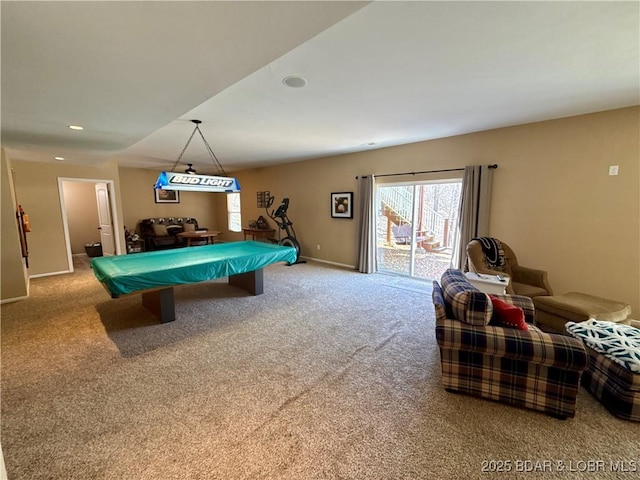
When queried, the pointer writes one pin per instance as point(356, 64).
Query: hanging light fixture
point(192, 181)
point(216, 163)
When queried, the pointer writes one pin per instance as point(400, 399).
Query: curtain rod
point(495, 165)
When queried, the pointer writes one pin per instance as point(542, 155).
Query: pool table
point(154, 274)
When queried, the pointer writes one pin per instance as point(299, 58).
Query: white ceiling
point(134, 74)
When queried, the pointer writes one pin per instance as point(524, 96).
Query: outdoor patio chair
point(402, 234)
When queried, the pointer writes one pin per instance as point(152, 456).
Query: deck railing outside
point(399, 200)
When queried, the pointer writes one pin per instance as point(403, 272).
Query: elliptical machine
point(282, 220)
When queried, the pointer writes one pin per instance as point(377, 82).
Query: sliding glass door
point(416, 227)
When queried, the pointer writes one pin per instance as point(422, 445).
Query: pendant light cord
point(213, 155)
point(217, 164)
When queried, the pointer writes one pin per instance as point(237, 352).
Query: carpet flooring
point(330, 374)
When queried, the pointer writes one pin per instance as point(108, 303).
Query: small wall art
point(342, 205)
point(263, 199)
point(166, 196)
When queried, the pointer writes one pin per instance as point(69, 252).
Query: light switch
point(613, 170)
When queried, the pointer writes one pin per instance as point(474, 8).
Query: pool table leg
point(252, 282)
point(160, 303)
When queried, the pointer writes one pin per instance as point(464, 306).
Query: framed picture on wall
point(167, 196)
point(342, 205)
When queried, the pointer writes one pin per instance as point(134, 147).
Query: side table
point(265, 233)
point(496, 284)
point(209, 236)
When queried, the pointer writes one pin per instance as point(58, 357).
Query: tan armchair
point(524, 281)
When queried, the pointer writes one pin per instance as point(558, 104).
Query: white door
point(104, 219)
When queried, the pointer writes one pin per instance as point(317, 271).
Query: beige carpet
point(330, 374)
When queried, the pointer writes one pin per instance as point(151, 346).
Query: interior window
point(233, 212)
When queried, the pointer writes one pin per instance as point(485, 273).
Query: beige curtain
point(475, 204)
point(366, 248)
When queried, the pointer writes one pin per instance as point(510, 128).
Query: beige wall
point(139, 201)
point(573, 219)
point(553, 201)
point(37, 188)
point(13, 280)
point(82, 214)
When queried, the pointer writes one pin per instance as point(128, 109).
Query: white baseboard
point(18, 299)
point(50, 274)
point(344, 265)
point(14, 299)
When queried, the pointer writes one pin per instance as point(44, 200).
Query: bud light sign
point(198, 183)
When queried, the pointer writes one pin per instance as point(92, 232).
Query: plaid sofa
point(530, 369)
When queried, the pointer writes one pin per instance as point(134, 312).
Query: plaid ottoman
point(612, 374)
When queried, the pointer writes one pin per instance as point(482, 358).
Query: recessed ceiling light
point(59, 158)
point(294, 81)
point(76, 127)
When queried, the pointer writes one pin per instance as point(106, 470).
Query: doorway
point(416, 227)
point(87, 214)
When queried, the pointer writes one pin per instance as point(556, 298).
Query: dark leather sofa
point(162, 233)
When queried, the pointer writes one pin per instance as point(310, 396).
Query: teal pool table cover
point(123, 274)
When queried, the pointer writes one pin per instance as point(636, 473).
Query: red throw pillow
point(508, 315)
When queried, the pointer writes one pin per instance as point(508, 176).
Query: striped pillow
point(468, 304)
